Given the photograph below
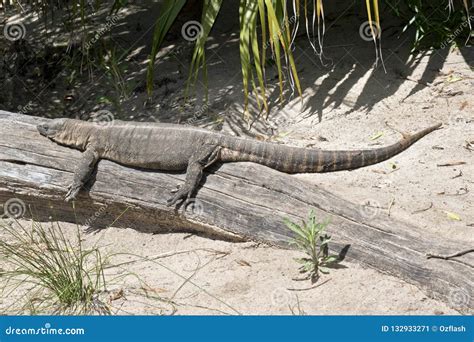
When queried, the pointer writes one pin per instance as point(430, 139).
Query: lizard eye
point(43, 129)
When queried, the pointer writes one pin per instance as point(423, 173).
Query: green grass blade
point(283, 38)
point(263, 27)
point(275, 32)
point(258, 66)
point(248, 22)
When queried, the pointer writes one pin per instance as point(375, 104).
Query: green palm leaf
point(209, 14)
point(169, 11)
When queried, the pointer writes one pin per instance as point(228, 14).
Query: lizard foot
point(180, 194)
point(72, 193)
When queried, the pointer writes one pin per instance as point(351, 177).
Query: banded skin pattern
point(170, 147)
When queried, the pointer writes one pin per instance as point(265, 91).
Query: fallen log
point(239, 201)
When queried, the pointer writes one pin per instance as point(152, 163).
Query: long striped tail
point(304, 160)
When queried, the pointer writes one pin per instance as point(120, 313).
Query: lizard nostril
point(43, 129)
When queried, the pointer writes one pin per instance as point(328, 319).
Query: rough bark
point(236, 201)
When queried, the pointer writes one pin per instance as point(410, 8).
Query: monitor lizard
point(173, 147)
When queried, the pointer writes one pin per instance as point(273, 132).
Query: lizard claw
point(72, 193)
point(173, 191)
point(179, 194)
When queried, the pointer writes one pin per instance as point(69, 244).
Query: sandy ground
point(186, 274)
point(346, 104)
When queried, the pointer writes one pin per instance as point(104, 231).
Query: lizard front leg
point(82, 173)
point(202, 159)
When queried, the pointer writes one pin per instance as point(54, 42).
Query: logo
point(14, 31)
point(14, 208)
point(102, 118)
point(191, 30)
point(369, 208)
point(281, 297)
point(369, 31)
point(459, 298)
point(193, 208)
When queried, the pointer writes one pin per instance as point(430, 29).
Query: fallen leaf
point(453, 216)
point(243, 263)
point(280, 135)
point(376, 136)
point(453, 78)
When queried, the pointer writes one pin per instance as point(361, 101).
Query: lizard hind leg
point(202, 159)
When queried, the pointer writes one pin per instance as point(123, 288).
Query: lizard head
point(51, 129)
point(68, 132)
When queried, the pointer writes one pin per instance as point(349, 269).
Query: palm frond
point(169, 11)
point(209, 14)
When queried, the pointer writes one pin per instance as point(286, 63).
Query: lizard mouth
point(45, 130)
point(42, 130)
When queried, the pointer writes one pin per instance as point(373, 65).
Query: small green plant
point(311, 239)
point(65, 277)
point(436, 24)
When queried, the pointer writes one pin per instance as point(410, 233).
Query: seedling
point(311, 239)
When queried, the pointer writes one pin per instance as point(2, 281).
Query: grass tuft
point(66, 277)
